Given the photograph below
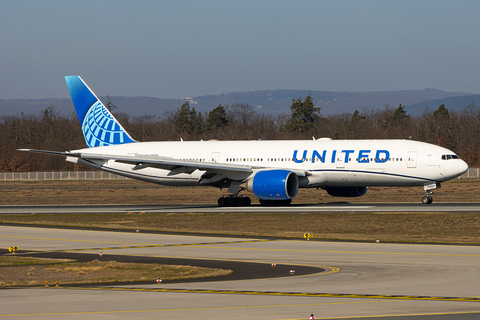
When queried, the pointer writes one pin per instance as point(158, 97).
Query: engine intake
point(274, 185)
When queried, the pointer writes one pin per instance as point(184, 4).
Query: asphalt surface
point(296, 208)
point(333, 279)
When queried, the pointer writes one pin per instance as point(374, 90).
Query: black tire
point(222, 202)
point(231, 202)
point(427, 200)
point(243, 202)
point(275, 203)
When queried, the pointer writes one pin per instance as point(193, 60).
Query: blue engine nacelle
point(346, 191)
point(274, 185)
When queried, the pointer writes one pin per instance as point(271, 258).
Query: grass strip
point(436, 227)
point(68, 273)
point(138, 192)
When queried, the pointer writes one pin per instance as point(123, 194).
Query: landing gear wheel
point(427, 200)
point(275, 203)
point(222, 202)
point(234, 202)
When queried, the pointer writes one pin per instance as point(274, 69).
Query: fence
point(59, 175)
point(472, 173)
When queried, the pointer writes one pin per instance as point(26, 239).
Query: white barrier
point(59, 175)
point(472, 173)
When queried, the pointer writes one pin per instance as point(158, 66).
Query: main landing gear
point(234, 200)
point(275, 203)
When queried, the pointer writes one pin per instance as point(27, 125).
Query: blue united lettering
point(360, 156)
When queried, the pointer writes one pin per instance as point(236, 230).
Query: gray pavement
point(295, 208)
point(355, 269)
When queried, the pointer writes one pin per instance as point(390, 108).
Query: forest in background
point(49, 130)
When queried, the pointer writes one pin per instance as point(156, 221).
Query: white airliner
point(272, 170)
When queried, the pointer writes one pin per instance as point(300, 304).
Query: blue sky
point(173, 49)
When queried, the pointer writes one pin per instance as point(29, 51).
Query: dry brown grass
point(137, 192)
point(99, 272)
point(441, 227)
point(13, 260)
point(448, 227)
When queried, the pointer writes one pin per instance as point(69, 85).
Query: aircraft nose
point(462, 167)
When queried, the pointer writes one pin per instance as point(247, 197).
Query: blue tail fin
point(99, 126)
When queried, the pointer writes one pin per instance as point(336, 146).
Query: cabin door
point(340, 161)
point(412, 159)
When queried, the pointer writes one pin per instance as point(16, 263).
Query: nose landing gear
point(427, 198)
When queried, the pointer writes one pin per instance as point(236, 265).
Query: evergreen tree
point(217, 118)
point(441, 112)
point(304, 115)
point(399, 116)
point(182, 119)
point(352, 125)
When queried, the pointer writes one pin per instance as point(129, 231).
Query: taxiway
point(295, 208)
point(367, 280)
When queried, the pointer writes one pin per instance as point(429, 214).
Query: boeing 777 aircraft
point(272, 170)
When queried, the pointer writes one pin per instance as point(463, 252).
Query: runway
point(354, 280)
point(300, 208)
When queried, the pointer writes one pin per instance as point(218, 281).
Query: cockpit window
point(449, 156)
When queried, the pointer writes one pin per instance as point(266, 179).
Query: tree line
point(49, 130)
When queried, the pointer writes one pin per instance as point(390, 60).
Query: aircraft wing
point(176, 166)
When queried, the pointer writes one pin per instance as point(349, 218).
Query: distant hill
point(451, 103)
point(265, 101)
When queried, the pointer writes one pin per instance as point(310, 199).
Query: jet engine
point(274, 185)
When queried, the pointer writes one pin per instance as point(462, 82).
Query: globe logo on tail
point(101, 129)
